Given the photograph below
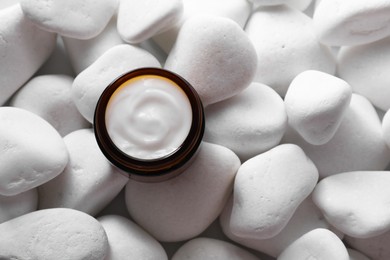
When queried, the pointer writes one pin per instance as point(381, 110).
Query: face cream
point(148, 117)
point(149, 122)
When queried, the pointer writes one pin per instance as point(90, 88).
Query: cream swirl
point(148, 117)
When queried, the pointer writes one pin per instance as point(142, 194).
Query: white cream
point(148, 117)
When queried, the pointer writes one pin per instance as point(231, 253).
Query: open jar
point(149, 122)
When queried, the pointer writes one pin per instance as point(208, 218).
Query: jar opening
point(148, 117)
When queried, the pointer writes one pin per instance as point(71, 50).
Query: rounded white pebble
point(8, 3)
point(367, 217)
point(209, 248)
point(129, 241)
point(301, 5)
point(83, 53)
point(286, 45)
point(71, 18)
point(23, 49)
point(339, 22)
point(315, 105)
point(32, 151)
point(357, 145)
point(298, 4)
point(140, 20)
point(215, 56)
point(89, 84)
point(376, 248)
point(386, 127)
point(49, 97)
point(356, 255)
point(306, 218)
point(249, 123)
point(266, 193)
point(15, 206)
point(365, 68)
point(183, 207)
point(60, 234)
point(236, 10)
point(321, 244)
point(88, 183)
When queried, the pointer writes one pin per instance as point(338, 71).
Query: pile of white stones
point(293, 163)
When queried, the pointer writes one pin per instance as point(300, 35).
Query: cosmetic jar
point(149, 123)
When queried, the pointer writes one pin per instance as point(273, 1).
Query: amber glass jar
point(146, 164)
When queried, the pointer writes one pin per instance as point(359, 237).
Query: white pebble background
point(295, 159)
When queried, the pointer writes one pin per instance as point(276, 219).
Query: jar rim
point(162, 167)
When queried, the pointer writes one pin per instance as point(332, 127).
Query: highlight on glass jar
point(149, 122)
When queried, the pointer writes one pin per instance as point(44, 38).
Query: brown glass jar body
point(151, 170)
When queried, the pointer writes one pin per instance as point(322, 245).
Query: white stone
point(376, 248)
point(367, 217)
point(83, 53)
point(286, 45)
point(8, 3)
point(315, 105)
point(249, 123)
point(209, 248)
point(301, 5)
point(320, 244)
point(339, 22)
point(23, 49)
point(364, 67)
point(356, 255)
point(386, 127)
point(60, 234)
point(32, 151)
point(268, 189)
point(49, 96)
point(236, 10)
point(183, 207)
point(70, 18)
point(298, 4)
point(316, 3)
point(89, 84)
point(140, 20)
point(357, 145)
point(88, 183)
point(15, 206)
point(129, 241)
point(215, 56)
point(306, 218)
